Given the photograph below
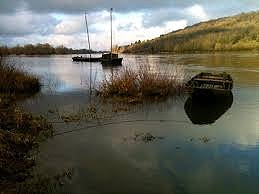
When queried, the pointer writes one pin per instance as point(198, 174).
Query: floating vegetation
point(144, 137)
point(88, 114)
point(204, 139)
point(93, 112)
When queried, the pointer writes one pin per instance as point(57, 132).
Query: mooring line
point(119, 122)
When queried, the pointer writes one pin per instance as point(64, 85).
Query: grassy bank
point(142, 84)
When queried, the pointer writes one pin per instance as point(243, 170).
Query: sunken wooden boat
point(210, 83)
point(86, 59)
point(109, 59)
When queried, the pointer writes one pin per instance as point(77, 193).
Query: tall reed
point(143, 83)
point(13, 80)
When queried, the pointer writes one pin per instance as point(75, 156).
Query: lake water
point(211, 148)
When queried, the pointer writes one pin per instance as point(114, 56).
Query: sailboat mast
point(111, 32)
point(89, 48)
point(86, 25)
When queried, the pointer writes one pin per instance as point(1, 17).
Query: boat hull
point(87, 59)
point(207, 84)
point(111, 62)
point(207, 91)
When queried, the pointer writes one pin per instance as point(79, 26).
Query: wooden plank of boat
point(212, 80)
point(217, 83)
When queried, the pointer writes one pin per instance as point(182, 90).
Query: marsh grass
point(44, 184)
point(142, 84)
point(16, 81)
point(20, 132)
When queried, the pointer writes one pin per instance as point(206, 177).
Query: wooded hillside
point(240, 32)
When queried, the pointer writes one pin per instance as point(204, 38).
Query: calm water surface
point(211, 148)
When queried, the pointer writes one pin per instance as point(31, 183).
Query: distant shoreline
point(191, 52)
point(140, 53)
point(42, 49)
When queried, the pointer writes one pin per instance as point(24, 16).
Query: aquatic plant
point(15, 81)
point(141, 84)
point(20, 132)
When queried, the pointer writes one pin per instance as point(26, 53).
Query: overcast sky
point(61, 22)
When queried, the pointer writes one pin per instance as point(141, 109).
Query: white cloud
point(61, 39)
point(72, 26)
point(175, 25)
point(197, 11)
point(130, 30)
point(26, 22)
point(131, 22)
point(22, 40)
point(127, 28)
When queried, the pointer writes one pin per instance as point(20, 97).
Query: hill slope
point(240, 32)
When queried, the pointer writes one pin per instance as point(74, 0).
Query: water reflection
point(207, 110)
point(181, 161)
point(110, 69)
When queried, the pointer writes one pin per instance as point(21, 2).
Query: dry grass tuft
point(142, 84)
point(16, 81)
point(19, 133)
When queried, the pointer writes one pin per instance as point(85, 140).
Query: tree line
point(41, 49)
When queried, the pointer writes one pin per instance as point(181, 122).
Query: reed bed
point(19, 133)
point(15, 81)
point(142, 84)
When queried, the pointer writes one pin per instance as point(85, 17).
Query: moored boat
point(90, 58)
point(86, 59)
point(110, 59)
